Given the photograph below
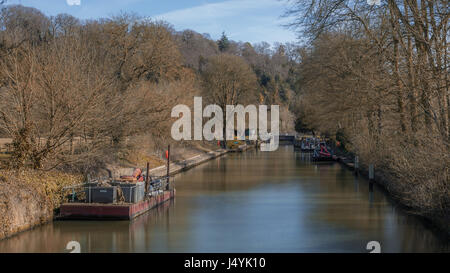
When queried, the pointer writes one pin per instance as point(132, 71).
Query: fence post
point(371, 180)
point(146, 179)
point(371, 173)
point(356, 165)
point(168, 166)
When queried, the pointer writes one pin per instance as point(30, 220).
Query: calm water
point(251, 202)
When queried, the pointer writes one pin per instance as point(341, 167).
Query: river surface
point(251, 202)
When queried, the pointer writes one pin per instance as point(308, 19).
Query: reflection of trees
point(344, 203)
point(240, 171)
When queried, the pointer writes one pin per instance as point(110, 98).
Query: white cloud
point(73, 2)
point(245, 20)
point(220, 10)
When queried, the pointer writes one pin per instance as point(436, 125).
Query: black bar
point(230, 262)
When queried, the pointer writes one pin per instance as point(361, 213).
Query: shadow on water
point(251, 202)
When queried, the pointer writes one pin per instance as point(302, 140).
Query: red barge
point(126, 211)
point(121, 199)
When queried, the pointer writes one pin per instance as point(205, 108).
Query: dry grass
point(4, 157)
point(48, 185)
point(145, 148)
point(139, 158)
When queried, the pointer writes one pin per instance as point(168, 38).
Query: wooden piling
point(146, 178)
point(168, 165)
point(371, 177)
point(371, 173)
point(356, 166)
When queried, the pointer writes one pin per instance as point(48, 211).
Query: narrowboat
point(322, 153)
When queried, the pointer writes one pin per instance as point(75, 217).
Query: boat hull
point(322, 158)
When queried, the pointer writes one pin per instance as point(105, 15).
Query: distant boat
point(322, 153)
point(306, 144)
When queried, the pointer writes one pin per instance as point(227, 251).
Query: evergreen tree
point(223, 42)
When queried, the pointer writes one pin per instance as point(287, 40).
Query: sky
point(242, 20)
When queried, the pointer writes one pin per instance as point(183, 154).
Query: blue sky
point(242, 20)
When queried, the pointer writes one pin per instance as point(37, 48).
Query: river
point(252, 202)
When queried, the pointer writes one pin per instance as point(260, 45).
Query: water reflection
point(251, 202)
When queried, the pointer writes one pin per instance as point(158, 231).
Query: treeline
point(74, 92)
point(377, 77)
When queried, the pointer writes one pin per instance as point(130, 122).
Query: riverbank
point(441, 223)
point(30, 198)
point(174, 167)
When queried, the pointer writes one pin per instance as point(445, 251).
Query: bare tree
point(228, 80)
point(379, 76)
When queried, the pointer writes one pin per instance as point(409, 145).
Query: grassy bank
point(29, 198)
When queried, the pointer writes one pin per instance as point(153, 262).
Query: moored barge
point(323, 154)
point(113, 211)
point(118, 199)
